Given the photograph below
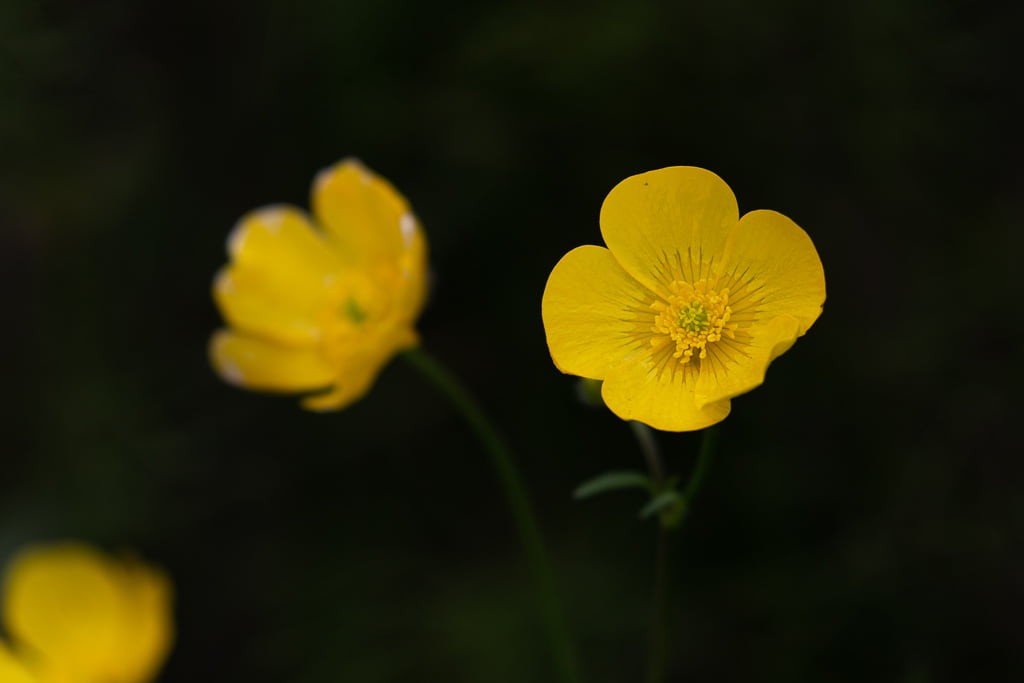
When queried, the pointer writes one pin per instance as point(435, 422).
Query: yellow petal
point(595, 315)
point(88, 616)
point(735, 366)
point(355, 384)
point(357, 367)
point(255, 363)
point(656, 390)
point(367, 220)
point(772, 264)
point(669, 224)
point(371, 227)
point(282, 240)
point(281, 273)
point(13, 669)
point(265, 302)
point(412, 273)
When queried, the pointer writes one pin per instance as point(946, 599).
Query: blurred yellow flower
point(321, 304)
point(76, 615)
point(689, 303)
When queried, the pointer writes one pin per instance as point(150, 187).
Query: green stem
point(519, 504)
point(658, 650)
point(704, 457)
point(657, 653)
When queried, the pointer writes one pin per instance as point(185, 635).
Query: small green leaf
point(612, 481)
point(661, 501)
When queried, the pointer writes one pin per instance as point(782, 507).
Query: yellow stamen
point(692, 317)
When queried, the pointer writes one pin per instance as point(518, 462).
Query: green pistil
point(354, 313)
point(694, 318)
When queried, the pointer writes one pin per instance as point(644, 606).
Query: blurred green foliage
point(863, 520)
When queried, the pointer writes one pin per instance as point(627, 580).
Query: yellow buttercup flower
point(689, 303)
point(322, 303)
point(77, 615)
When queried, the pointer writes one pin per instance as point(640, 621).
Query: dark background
point(864, 518)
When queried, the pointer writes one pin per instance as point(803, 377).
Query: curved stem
point(519, 504)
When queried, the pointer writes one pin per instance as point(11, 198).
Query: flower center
point(692, 317)
point(353, 311)
point(351, 314)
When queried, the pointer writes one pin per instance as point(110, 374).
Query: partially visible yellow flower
point(76, 615)
point(689, 303)
point(323, 303)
